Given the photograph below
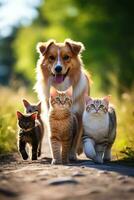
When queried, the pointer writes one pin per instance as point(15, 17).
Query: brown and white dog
point(60, 66)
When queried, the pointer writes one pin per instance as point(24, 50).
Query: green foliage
point(124, 144)
point(25, 50)
point(128, 153)
point(7, 133)
point(10, 102)
point(105, 28)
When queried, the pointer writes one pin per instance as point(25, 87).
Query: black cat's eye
point(66, 57)
point(51, 58)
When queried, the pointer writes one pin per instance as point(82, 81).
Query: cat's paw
point(80, 149)
point(56, 162)
point(39, 153)
point(72, 157)
point(65, 162)
point(107, 159)
point(34, 157)
point(98, 160)
point(25, 157)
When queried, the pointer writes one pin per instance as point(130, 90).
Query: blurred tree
point(7, 58)
point(105, 27)
point(109, 38)
point(10, 48)
point(47, 25)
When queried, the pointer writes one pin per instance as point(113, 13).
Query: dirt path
point(27, 180)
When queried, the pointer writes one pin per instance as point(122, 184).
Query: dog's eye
point(66, 57)
point(51, 58)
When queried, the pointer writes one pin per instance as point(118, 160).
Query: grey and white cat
point(99, 125)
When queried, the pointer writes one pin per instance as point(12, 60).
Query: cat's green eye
point(67, 99)
point(57, 99)
point(92, 105)
point(101, 106)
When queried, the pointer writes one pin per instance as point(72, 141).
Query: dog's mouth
point(59, 78)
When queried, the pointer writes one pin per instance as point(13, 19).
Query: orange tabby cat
point(63, 128)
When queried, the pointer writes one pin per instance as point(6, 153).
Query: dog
point(60, 65)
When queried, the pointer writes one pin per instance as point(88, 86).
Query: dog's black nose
point(58, 68)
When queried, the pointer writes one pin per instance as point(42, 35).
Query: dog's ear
point(42, 47)
point(39, 107)
point(76, 47)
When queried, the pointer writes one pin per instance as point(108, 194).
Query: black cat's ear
point(26, 103)
point(19, 115)
point(34, 116)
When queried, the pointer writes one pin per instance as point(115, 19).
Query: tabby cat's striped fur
point(99, 124)
point(63, 128)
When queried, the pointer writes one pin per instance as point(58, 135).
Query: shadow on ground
point(119, 166)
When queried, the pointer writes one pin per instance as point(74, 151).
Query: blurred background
point(106, 28)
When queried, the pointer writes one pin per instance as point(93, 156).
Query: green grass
point(124, 144)
point(10, 102)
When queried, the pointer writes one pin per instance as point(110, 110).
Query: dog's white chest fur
point(62, 86)
point(96, 127)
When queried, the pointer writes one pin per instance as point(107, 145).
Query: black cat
point(29, 132)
